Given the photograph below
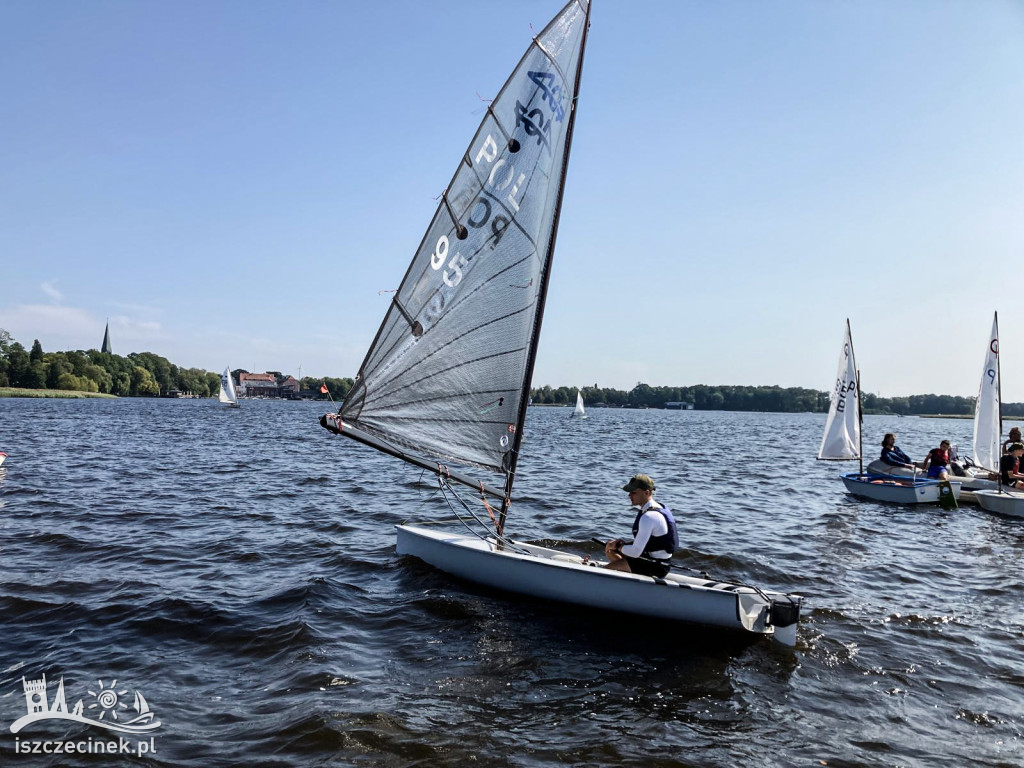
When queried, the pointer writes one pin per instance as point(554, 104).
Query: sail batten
point(449, 370)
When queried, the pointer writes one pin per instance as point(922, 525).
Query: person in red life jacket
point(655, 536)
point(936, 463)
point(1009, 467)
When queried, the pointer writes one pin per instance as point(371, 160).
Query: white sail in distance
point(227, 388)
point(987, 420)
point(841, 441)
point(579, 411)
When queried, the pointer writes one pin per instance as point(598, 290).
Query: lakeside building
point(265, 385)
point(257, 385)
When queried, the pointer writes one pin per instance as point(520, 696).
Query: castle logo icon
point(108, 710)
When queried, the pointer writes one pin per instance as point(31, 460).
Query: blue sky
point(235, 182)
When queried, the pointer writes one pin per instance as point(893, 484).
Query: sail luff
point(524, 399)
point(988, 428)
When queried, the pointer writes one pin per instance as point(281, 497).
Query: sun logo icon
point(107, 699)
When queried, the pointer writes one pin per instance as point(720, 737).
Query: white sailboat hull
point(554, 575)
point(897, 490)
point(1005, 503)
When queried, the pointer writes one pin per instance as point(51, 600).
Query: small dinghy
point(1001, 502)
point(903, 490)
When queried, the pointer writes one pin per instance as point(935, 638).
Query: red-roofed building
point(257, 384)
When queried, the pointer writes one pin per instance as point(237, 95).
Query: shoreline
point(51, 393)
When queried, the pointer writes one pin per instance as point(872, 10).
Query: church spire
point(106, 341)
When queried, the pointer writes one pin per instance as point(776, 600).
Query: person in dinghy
point(892, 455)
point(1009, 467)
point(936, 463)
point(655, 536)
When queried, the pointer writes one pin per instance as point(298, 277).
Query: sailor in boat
point(1009, 467)
point(936, 463)
point(892, 455)
point(1014, 438)
point(655, 536)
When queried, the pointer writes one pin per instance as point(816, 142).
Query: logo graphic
point(108, 709)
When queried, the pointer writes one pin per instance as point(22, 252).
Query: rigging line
point(500, 538)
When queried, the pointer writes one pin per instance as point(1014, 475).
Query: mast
point(999, 404)
point(524, 399)
point(999, 385)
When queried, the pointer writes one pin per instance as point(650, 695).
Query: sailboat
point(843, 441)
point(2, 457)
point(973, 474)
point(447, 377)
point(578, 411)
point(988, 430)
point(227, 389)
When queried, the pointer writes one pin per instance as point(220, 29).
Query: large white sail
point(579, 411)
point(227, 388)
point(987, 422)
point(841, 441)
point(448, 373)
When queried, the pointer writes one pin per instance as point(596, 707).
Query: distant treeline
point(768, 399)
point(141, 374)
point(144, 374)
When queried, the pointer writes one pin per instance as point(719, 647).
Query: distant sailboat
point(227, 389)
point(578, 411)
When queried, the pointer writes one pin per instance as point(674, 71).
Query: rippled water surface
point(238, 568)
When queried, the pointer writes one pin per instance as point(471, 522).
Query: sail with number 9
point(448, 373)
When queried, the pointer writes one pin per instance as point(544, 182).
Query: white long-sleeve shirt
point(652, 523)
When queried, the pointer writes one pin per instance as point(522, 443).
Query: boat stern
point(784, 616)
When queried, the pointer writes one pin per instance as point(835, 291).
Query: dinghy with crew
point(447, 378)
point(842, 441)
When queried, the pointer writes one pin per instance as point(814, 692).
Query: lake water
point(237, 567)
